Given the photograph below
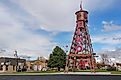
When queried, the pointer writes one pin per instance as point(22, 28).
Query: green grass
point(115, 72)
point(112, 72)
point(102, 70)
point(90, 71)
point(32, 72)
point(47, 72)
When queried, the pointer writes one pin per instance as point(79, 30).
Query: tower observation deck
point(80, 56)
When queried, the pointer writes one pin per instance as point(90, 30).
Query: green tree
point(57, 58)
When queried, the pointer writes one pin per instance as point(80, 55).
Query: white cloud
point(111, 39)
point(56, 15)
point(14, 36)
point(109, 26)
point(115, 54)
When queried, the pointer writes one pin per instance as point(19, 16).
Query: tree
point(57, 58)
point(104, 58)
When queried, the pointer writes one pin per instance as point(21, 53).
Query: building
point(37, 65)
point(12, 64)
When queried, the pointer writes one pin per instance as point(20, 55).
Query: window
point(6, 67)
point(13, 67)
point(19, 67)
point(1, 67)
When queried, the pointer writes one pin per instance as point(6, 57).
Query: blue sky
point(35, 27)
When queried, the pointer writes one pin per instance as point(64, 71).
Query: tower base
point(77, 62)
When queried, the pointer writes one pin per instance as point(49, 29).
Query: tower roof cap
point(81, 9)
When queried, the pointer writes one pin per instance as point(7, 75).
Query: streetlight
point(66, 50)
point(94, 62)
point(16, 55)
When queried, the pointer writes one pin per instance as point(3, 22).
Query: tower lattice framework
point(81, 51)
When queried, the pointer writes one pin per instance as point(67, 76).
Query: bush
point(24, 69)
point(111, 68)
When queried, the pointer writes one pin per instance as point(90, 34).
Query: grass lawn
point(95, 70)
point(35, 72)
point(49, 72)
point(115, 72)
point(28, 73)
point(112, 72)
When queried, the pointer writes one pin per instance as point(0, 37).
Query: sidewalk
point(89, 73)
point(59, 73)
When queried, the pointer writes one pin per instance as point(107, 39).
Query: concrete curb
point(62, 73)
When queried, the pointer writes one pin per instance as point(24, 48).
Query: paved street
point(60, 77)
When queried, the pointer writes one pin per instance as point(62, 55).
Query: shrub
point(111, 68)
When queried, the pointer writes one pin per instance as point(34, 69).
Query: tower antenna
point(81, 5)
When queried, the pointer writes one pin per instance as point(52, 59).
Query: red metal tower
point(81, 51)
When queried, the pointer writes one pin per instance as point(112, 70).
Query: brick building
point(11, 64)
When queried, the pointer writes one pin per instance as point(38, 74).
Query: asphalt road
point(60, 77)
